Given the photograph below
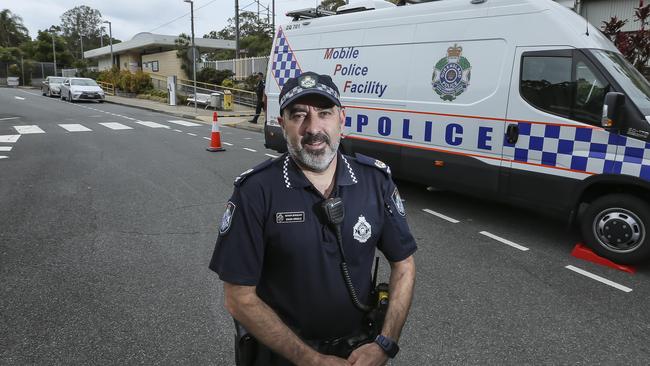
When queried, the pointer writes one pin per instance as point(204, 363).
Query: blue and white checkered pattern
point(580, 149)
point(285, 65)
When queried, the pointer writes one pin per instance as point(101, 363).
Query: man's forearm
point(260, 320)
point(402, 280)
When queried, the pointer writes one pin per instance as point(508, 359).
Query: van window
point(569, 87)
point(546, 83)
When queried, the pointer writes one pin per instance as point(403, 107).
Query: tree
point(255, 36)
point(12, 31)
point(42, 48)
point(331, 4)
point(81, 21)
point(635, 46)
point(183, 46)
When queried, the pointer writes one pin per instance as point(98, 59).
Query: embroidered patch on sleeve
point(397, 201)
point(226, 220)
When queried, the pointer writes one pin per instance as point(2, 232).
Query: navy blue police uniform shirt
point(273, 235)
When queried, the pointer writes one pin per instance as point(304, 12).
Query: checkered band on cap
point(298, 89)
point(284, 66)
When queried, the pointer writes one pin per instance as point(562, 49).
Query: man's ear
point(342, 116)
point(281, 121)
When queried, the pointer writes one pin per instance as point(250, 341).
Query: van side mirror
point(612, 109)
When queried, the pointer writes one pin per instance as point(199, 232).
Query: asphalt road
point(106, 234)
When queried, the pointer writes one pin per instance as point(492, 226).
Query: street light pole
point(193, 50)
point(54, 50)
point(110, 40)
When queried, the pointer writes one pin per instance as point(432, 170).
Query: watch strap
point(387, 345)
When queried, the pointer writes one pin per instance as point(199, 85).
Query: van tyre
point(616, 227)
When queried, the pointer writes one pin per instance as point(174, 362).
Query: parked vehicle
point(51, 86)
point(75, 89)
point(517, 100)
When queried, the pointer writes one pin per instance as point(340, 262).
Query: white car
point(74, 89)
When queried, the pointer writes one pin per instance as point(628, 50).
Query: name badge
point(289, 217)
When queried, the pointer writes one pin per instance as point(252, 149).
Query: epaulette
point(242, 177)
point(367, 160)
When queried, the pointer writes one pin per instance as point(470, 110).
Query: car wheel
point(49, 93)
point(616, 227)
point(70, 98)
point(43, 92)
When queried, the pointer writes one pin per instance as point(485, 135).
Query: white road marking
point(504, 241)
point(191, 134)
point(25, 130)
point(19, 98)
point(271, 155)
point(116, 126)
point(151, 124)
point(4, 157)
point(226, 143)
point(599, 279)
point(74, 127)
point(248, 138)
point(177, 130)
point(207, 138)
point(5, 148)
point(9, 138)
point(251, 150)
point(184, 123)
point(453, 221)
point(132, 119)
point(8, 118)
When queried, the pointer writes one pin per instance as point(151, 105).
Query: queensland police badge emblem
point(451, 74)
point(226, 220)
point(362, 230)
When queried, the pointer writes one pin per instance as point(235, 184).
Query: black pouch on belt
point(245, 346)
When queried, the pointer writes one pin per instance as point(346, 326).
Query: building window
point(154, 66)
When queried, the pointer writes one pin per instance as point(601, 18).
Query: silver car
point(75, 89)
point(52, 86)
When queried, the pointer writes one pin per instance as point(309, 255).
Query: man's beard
point(318, 160)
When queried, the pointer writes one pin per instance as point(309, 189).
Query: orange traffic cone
point(215, 138)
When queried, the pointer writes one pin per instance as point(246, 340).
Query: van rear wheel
point(616, 227)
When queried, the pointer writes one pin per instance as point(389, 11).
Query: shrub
point(213, 76)
point(228, 83)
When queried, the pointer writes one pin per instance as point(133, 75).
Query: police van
point(516, 100)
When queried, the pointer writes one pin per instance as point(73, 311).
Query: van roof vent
point(309, 13)
point(363, 6)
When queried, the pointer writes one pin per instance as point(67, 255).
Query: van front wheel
point(616, 227)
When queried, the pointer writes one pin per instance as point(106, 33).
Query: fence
point(242, 67)
point(186, 87)
point(34, 71)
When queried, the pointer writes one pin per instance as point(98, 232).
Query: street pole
point(193, 50)
point(54, 52)
point(101, 36)
point(110, 40)
point(273, 12)
point(236, 29)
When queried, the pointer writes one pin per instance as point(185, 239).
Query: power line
point(182, 16)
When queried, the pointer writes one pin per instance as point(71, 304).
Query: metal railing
point(242, 67)
point(186, 87)
point(108, 88)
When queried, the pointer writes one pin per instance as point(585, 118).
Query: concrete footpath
point(238, 117)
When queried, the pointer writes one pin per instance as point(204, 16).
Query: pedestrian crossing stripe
point(9, 138)
point(74, 127)
point(3, 157)
point(116, 126)
point(151, 124)
point(184, 123)
point(28, 129)
point(5, 148)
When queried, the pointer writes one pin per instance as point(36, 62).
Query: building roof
point(145, 41)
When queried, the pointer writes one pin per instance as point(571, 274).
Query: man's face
point(312, 127)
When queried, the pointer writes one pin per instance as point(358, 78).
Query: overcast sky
point(130, 17)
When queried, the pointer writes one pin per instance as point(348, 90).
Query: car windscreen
point(56, 80)
point(83, 82)
point(636, 86)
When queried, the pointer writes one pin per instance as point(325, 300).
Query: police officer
point(277, 253)
point(259, 92)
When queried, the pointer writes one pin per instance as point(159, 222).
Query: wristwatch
point(387, 345)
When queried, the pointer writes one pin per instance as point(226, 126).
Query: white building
point(599, 11)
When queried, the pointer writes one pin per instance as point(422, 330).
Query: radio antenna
point(587, 20)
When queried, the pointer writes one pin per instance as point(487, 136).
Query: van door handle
point(512, 133)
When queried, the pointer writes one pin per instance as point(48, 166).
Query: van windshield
point(636, 87)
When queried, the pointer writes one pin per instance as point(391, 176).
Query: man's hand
point(331, 360)
point(368, 354)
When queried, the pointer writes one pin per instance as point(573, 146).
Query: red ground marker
point(582, 252)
